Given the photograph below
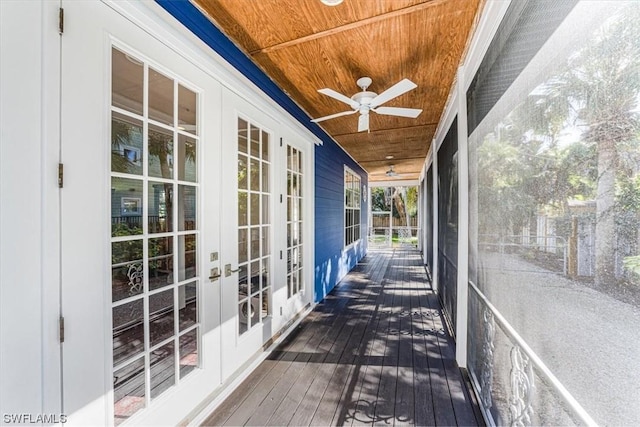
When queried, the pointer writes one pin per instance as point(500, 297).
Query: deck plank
point(374, 352)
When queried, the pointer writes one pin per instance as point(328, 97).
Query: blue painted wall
point(333, 260)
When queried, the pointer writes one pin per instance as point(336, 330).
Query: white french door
point(140, 223)
point(247, 231)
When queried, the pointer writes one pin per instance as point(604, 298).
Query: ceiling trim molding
point(349, 26)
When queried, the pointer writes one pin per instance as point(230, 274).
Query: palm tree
point(602, 85)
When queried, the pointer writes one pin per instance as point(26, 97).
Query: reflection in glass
point(160, 262)
point(127, 275)
point(242, 136)
point(188, 352)
point(163, 370)
point(160, 317)
point(160, 97)
point(128, 330)
point(188, 305)
point(127, 146)
point(160, 207)
point(187, 110)
point(186, 207)
point(127, 76)
point(128, 390)
point(187, 160)
point(161, 155)
point(126, 207)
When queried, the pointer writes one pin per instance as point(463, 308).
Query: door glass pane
point(128, 390)
point(188, 305)
point(127, 277)
point(186, 207)
point(187, 117)
point(243, 174)
point(242, 136)
point(160, 97)
point(127, 82)
point(160, 262)
point(254, 177)
point(188, 352)
point(243, 208)
point(265, 146)
point(126, 207)
point(255, 141)
point(294, 221)
point(160, 207)
point(187, 159)
point(145, 222)
point(160, 317)
point(255, 209)
point(127, 144)
point(160, 152)
point(163, 371)
point(128, 330)
point(187, 257)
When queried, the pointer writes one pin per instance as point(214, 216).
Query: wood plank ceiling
point(304, 45)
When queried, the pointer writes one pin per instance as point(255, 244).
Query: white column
point(463, 225)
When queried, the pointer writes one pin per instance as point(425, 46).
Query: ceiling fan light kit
point(331, 2)
point(366, 101)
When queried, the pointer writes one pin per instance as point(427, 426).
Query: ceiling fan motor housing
point(364, 99)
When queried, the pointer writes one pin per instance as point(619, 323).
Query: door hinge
point(61, 324)
point(60, 175)
point(60, 21)
point(281, 198)
point(280, 254)
point(280, 142)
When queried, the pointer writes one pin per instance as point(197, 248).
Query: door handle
point(228, 271)
point(215, 274)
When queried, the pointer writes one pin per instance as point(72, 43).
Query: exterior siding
point(332, 260)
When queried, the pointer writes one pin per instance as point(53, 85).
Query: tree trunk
point(605, 218)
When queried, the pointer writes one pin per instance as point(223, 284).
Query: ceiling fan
point(366, 101)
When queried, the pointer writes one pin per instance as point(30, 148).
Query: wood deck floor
point(373, 352)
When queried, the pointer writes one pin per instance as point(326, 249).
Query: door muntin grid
point(294, 221)
point(254, 224)
point(154, 232)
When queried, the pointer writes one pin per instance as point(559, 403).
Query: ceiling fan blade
point(340, 97)
point(404, 85)
point(397, 111)
point(363, 123)
point(333, 116)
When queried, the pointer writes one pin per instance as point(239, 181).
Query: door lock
point(215, 274)
point(228, 271)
